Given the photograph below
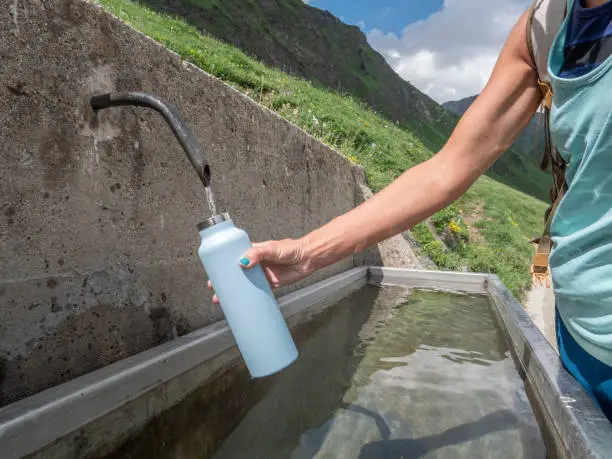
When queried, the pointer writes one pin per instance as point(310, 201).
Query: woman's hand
point(284, 262)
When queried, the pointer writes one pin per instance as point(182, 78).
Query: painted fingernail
point(245, 261)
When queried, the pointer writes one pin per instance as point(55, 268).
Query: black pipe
point(180, 129)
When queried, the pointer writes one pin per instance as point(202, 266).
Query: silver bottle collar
point(214, 220)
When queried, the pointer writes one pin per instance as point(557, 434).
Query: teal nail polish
point(244, 261)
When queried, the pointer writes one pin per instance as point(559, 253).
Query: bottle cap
point(214, 220)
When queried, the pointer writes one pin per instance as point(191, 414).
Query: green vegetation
point(492, 223)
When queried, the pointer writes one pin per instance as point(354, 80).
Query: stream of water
point(211, 201)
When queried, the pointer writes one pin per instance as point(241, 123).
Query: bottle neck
point(213, 221)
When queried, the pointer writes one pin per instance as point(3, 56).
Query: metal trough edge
point(30, 424)
point(577, 427)
point(438, 280)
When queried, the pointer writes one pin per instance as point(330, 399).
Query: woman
point(581, 124)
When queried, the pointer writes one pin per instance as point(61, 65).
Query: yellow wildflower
point(454, 227)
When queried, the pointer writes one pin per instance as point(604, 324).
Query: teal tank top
point(581, 258)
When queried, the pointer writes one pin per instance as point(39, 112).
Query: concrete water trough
point(196, 387)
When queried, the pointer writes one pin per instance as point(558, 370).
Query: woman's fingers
point(272, 277)
point(215, 299)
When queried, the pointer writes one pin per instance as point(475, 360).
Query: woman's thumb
point(257, 254)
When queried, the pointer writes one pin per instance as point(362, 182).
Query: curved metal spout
point(180, 129)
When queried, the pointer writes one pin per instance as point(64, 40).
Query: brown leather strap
point(547, 93)
point(552, 213)
point(540, 269)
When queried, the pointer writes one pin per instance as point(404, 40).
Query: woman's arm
point(485, 131)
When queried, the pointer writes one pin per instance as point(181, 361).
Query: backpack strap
point(540, 269)
point(544, 21)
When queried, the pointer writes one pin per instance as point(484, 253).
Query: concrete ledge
point(30, 424)
point(438, 280)
point(298, 306)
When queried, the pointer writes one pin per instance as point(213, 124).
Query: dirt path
point(540, 306)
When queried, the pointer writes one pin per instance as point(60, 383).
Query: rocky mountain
point(459, 107)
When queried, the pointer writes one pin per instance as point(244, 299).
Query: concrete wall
point(98, 217)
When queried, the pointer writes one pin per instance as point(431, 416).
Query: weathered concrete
point(98, 225)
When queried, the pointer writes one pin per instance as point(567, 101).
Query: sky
point(446, 48)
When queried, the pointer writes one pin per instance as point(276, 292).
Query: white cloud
point(361, 24)
point(451, 54)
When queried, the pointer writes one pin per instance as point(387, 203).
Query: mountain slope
point(305, 41)
point(487, 230)
point(459, 107)
point(518, 167)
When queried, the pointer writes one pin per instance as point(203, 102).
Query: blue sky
point(389, 16)
point(446, 48)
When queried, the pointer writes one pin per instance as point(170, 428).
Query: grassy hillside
point(302, 40)
point(488, 228)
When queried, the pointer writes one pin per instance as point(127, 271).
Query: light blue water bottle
point(246, 298)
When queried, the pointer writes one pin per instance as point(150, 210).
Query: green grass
point(502, 219)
